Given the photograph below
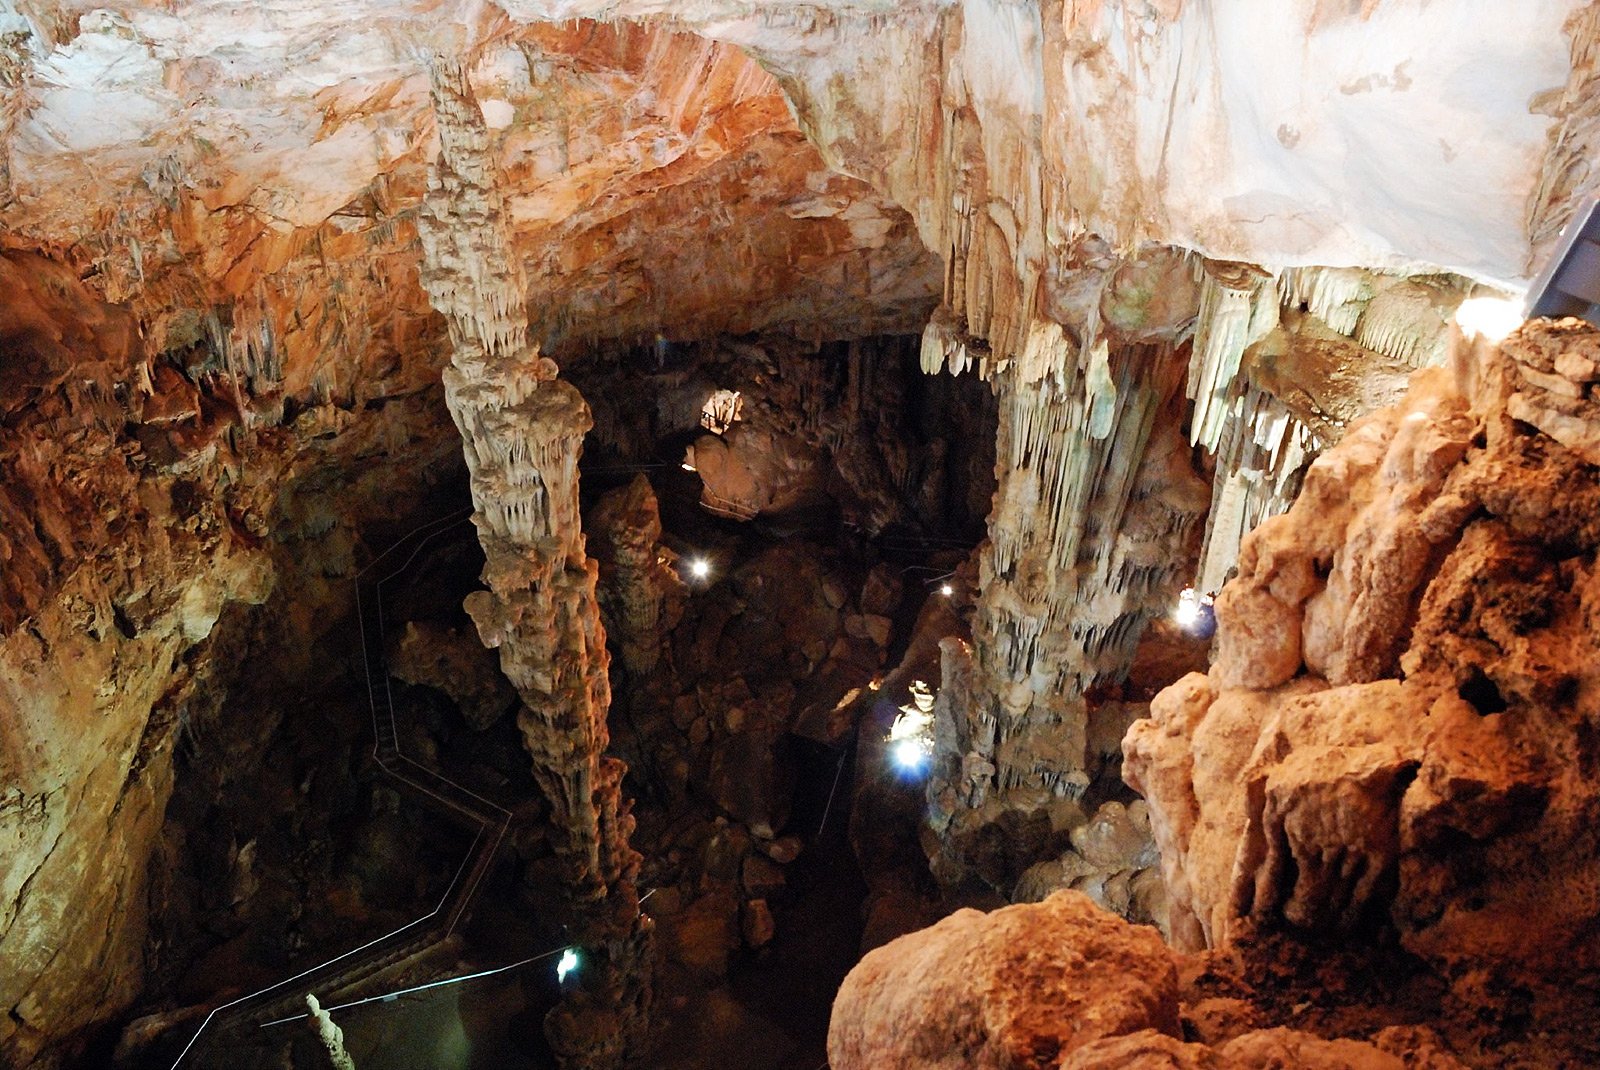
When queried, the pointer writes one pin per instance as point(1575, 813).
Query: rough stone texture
point(1408, 744)
point(245, 181)
point(455, 664)
point(522, 430)
point(123, 541)
point(105, 592)
point(192, 172)
point(1020, 987)
point(639, 590)
point(1061, 984)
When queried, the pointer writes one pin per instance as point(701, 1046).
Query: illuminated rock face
point(522, 430)
point(274, 160)
point(1059, 984)
point(135, 508)
point(243, 182)
point(1395, 723)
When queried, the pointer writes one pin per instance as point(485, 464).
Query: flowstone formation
point(1086, 544)
point(1359, 807)
point(125, 520)
point(1400, 725)
point(522, 430)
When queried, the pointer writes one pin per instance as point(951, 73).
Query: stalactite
point(1260, 463)
point(1337, 296)
point(522, 430)
point(1236, 309)
point(1076, 545)
point(1261, 446)
point(1409, 321)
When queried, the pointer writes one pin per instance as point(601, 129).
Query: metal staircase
point(353, 974)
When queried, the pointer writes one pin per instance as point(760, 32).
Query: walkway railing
point(491, 820)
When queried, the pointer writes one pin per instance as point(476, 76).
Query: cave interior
point(922, 534)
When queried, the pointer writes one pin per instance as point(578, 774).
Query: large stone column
point(522, 431)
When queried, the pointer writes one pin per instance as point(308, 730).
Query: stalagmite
point(522, 430)
point(329, 1035)
point(641, 592)
point(1092, 509)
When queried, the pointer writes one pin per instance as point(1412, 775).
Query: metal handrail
point(485, 818)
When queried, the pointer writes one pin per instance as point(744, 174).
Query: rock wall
point(140, 495)
point(115, 571)
point(1400, 723)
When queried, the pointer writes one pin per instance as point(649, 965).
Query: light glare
point(567, 963)
point(946, 590)
point(908, 755)
point(1490, 318)
point(699, 568)
point(1188, 611)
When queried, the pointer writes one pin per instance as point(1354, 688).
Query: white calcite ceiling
point(1396, 135)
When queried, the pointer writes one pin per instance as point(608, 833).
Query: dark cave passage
point(742, 746)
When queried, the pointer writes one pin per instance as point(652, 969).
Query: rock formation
point(329, 1035)
point(638, 586)
point(522, 429)
point(220, 369)
point(1400, 715)
point(1059, 984)
point(456, 664)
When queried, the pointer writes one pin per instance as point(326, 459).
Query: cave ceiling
point(269, 157)
point(218, 363)
point(263, 165)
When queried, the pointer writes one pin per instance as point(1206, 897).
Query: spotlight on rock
point(1490, 318)
point(1188, 610)
point(908, 755)
point(1195, 614)
point(911, 736)
point(566, 964)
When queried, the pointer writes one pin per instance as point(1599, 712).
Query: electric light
point(566, 964)
point(687, 467)
point(1195, 614)
point(1188, 612)
point(946, 590)
point(910, 737)
point(699, 568)
point(908, 755)
point(1491, 318)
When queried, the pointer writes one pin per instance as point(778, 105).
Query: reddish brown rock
point(1063, 984)
point(1021, 987)
point(1444, 587)
point(756, 923)
point(456, 664)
